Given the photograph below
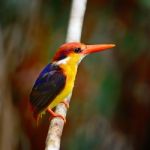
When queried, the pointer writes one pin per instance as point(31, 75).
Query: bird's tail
point(36, 114)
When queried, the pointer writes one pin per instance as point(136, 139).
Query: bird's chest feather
point(70, 72)
point(69, 69)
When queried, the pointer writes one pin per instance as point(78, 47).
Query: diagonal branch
point(73, 34)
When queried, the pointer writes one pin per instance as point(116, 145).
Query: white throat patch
point(63, 61)
point(81, 59)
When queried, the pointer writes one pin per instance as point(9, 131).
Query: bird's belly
point(67, 90)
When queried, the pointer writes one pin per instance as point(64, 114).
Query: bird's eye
point(78, 50)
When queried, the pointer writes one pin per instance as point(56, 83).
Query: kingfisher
point(55, 83)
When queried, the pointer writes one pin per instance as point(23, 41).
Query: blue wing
point(48, 85)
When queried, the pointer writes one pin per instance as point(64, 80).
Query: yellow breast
point(70, 70)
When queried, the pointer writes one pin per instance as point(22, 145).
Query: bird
point(55, 83)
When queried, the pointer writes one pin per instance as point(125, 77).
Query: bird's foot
point(53, 114)
point(66, 104)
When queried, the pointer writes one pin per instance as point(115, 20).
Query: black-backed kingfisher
point(55, 83)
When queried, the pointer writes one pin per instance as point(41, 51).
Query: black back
point(48, 85)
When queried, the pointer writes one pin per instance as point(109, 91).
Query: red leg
point(56, 115)
point(66, 104)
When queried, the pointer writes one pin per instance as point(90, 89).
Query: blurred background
point(110, 106)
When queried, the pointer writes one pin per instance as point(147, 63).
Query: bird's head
point(75, 52)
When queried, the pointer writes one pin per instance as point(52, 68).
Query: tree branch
point(73, 34)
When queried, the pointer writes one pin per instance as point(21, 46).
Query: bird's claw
point(53, 114)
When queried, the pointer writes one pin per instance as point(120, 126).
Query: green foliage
point(109, 90)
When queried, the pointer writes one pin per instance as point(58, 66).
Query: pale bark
point(73, 34)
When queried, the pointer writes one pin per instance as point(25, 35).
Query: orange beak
point(96, 48)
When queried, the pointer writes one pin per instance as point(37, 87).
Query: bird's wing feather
point(47, 86)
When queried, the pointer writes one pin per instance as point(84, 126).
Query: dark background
point(110, 107)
